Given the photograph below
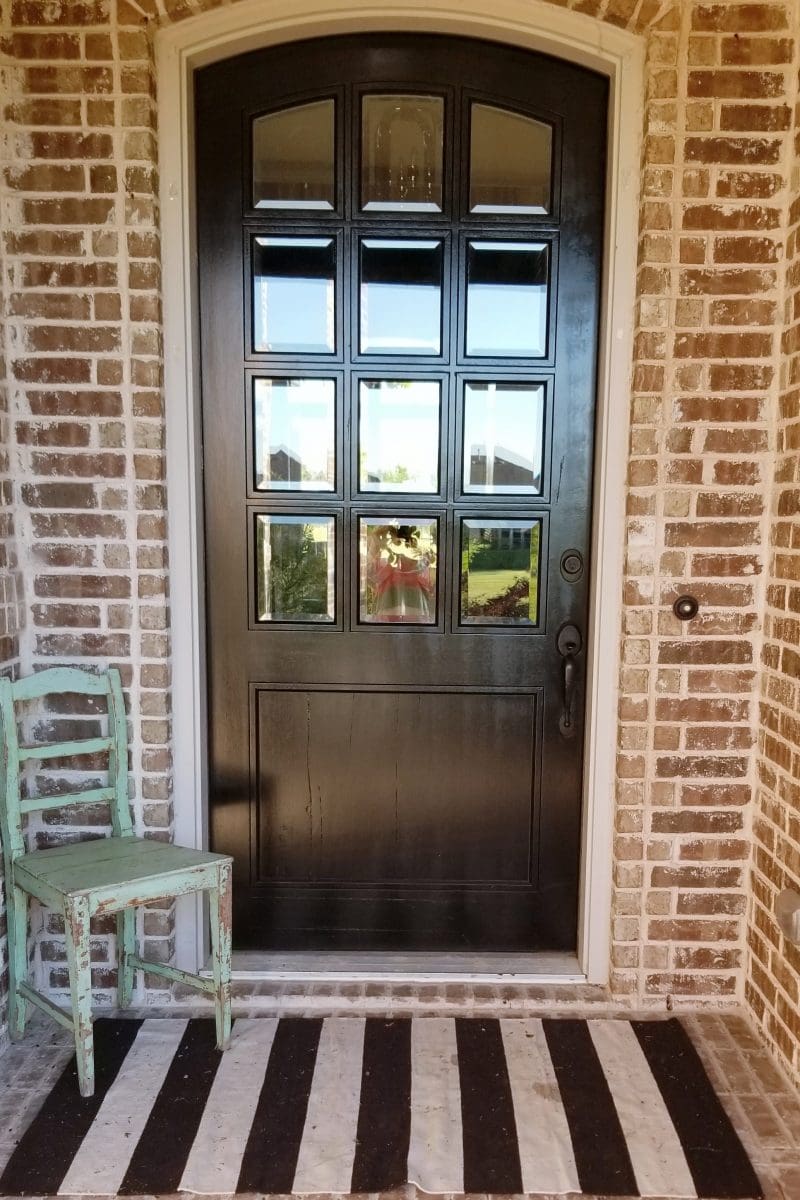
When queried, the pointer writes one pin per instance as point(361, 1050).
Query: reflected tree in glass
point(295, 578)
point(500, 572)
point(398, 570)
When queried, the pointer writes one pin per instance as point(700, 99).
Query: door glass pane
point(510, 162)
point(397, 558)
point(398, 441)
point(293, 157)
point(503, 426)
point(294, 283)
point(507, 299)
point(295, 568)
point(401, 297)
point(499, 572)
point(294, 422)
point(401, 153)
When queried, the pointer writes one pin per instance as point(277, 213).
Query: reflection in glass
point(401, 297)
point(293, 295)
point(295, 568)
point(397, 558)
point(503, 425)
point(401, 152)
point(398, 440)
point(507, 298)
point(295, 434)
point(499, 572)
point(509, 162)
point(293, 157)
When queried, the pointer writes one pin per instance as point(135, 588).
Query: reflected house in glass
point(501, 467)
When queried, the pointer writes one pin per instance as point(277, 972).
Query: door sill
point(393, 967)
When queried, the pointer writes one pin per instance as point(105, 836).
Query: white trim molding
point(252, 24)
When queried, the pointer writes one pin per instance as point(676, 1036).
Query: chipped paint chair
point(90, 878)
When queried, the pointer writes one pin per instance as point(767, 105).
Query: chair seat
point(102, 865)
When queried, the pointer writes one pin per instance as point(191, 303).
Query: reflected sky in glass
point(399, 435)
point(294, 295)
point(400, 297)
point(503, 425)
point(507, 299)
point(295, 434)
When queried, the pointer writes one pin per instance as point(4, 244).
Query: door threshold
point(398, 967)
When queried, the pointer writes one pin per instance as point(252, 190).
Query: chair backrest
point(61, 681)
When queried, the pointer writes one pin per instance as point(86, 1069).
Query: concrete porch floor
point(759, 1099)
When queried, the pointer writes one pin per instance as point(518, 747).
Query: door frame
point(528, 24)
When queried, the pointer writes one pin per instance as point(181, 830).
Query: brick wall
point(773, 975)
point(12, 606)
point(82, 263)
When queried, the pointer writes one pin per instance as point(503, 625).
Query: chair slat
point(43, 803)
point(60, 679)
point(65, 749)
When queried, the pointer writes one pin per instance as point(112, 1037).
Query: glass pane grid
point(293, 158)
point(507, 292)
point(401, 282)
point(402, 151)
point(399, 435)
point(510, 162)
point(397, 571)
point(503, 428)
point(295, 561)
point(499, 571)
point(294, 295)
point(294, 434)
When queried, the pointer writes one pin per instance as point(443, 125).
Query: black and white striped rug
point(349, 1104)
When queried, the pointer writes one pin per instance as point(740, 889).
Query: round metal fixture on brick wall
point(685, 607)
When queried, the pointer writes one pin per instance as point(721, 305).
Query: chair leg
point(221, 917)
point(76, 922)
point(126, 946)
point(17, 921)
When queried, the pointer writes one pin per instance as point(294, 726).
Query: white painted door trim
point(249, 25)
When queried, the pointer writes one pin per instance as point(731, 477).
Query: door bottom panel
point(446, 920)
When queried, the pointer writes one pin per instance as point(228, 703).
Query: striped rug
point(348, 1104)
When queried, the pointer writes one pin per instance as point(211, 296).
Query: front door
point(399, 252)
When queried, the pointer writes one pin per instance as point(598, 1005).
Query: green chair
point(92, 878)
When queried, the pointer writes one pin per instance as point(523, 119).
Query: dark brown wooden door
point(399, 252)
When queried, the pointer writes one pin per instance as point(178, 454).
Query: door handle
point(569, 643)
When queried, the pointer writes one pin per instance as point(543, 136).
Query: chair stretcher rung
point(66, 749)
point(58, 1014)
point(174, 973)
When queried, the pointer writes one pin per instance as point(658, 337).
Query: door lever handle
point(569, 643)
point(570, 669)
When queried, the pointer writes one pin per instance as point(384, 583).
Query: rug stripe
point(601, 1155)
point(159, 1159)
point(658, 1161)
point(384, 1117)
point(100, 1164)
point(216, 1155)
point(65, 1117)
point(491, 1155)
point(435, 1155)
point(717, 1160)
point(545, 1147)
point(325, 1161)
point(270, 1156)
